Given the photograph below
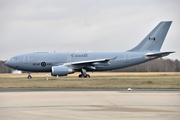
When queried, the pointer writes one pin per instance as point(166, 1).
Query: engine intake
point(61, 70)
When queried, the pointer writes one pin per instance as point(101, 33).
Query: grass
point(97, 80)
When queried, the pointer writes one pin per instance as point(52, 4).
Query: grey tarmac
point(89, 104)
point(82, 89)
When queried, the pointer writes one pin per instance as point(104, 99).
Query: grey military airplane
point(64, 63)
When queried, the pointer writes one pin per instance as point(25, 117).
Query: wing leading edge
point(91, 64)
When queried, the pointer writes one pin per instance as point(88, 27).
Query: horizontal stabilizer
point(157, 55)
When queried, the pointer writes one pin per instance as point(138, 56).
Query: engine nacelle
point(61, 70)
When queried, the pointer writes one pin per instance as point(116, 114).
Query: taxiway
point(90, 105)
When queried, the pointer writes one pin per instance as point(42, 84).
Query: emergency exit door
point(126, 58)
point(26, 59)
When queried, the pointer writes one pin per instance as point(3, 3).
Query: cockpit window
point(14, 58)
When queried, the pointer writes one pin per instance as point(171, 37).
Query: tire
point(80, 76)
point(29, 77)
point(87, 76)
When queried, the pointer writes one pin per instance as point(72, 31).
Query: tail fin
point(154, 40)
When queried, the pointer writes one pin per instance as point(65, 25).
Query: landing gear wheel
point(29, 77)
point(87, 76)
point(80, 75)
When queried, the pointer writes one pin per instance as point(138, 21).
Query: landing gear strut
point(83, 74)
point(29, 75)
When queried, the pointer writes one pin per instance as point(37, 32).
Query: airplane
point(64, 63)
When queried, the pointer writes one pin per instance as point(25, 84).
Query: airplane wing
point(87, 63)
point(157, 55)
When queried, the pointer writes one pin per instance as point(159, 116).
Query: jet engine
point(61, 70)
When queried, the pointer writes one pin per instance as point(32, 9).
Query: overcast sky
point(84, 25)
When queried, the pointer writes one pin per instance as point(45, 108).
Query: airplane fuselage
point(43, 61)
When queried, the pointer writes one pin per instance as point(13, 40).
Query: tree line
point(4, 68)
point(158, 65)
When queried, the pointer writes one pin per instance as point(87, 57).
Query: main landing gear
point(29, 75)
point(83, 74)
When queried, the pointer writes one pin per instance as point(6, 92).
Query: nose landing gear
point(29, 75)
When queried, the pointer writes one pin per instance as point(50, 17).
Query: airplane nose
point(6, 62)
point(11, 64)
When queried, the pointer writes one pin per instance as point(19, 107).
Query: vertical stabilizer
point(154, 40)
